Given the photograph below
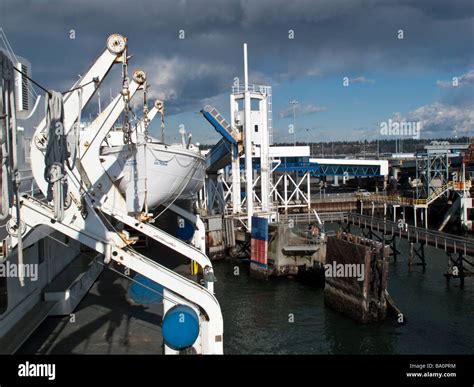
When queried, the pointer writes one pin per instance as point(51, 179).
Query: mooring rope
point(73, 135)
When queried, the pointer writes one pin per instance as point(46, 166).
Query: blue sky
point(351, 113)
point(406, 79)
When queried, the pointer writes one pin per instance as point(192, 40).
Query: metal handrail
point(392, 199)
point(408, 228)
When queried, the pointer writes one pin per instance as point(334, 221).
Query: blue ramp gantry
point(220, 124)
point(219, 155)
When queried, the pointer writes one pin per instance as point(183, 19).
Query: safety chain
point(160, 106)
point(126, 128)
point(146, 120)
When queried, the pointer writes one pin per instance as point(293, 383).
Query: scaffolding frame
point(431, 168)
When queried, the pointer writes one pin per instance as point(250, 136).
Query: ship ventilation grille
point(24, 88)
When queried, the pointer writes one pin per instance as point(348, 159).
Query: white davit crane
point(92, 194)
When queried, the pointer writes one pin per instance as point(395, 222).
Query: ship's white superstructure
point(90, 194)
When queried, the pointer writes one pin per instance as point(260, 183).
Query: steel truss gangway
point(283, 173)
point(440, 240)
point(96, 206)
point(404, 201)
point(460, 250)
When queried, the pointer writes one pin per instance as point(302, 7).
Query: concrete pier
point(291, 251)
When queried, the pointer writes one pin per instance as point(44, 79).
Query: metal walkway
point(336, 168)
point(439, 240)
point(219, 155)
point(403, 201)
point(219, 123)
point(448, 242)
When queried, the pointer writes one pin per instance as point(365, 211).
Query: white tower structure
point(250, 113)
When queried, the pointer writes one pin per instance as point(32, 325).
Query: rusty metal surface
point(363, 300)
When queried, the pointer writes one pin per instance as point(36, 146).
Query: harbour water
point(287, 316)
point(277, 316)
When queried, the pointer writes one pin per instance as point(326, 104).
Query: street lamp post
point(294, 102)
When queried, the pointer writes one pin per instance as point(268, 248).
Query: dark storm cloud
point(331, 37)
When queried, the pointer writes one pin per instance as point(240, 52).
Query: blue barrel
point(186, 231)
point(180, 327)
point(144, 291)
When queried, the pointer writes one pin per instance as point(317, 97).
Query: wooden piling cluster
point(362, 298)
point(459, 267)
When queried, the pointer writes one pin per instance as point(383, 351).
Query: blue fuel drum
point(180, 327)
point(144, 291)
point(185, 230)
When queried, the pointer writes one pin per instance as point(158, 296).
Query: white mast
point(248, 144)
